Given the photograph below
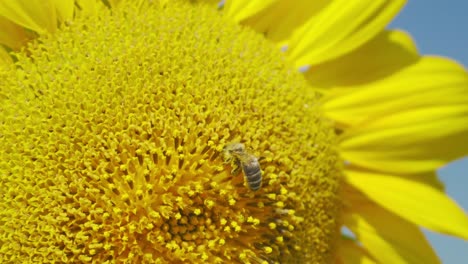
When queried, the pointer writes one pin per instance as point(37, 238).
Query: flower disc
point(112, 133)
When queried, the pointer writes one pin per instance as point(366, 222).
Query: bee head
point(235, 148)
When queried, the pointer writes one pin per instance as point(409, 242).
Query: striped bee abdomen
point(253, 174)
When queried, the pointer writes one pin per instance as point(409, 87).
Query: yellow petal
point(350, 253)
point(213, 3)
point(88, 6)
point(238, 10)
point(418, 85)
point(413, 121)
point(36, 15)
point(5, 58)
point(64, 9)
point(413, 200)
point(414, 141)
point(114, 3)
point(340, 28)
point(389, 238)
point(279, 20)
point(12, 35)
point(395, 50)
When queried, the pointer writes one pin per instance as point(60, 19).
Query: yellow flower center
point(112, 137)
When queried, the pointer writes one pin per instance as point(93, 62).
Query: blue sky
point(441, 27)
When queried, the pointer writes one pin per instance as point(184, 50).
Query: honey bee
point(236, 154)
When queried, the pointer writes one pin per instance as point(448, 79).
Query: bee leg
point(228, 160)
point(236, 168)
point(235, 171)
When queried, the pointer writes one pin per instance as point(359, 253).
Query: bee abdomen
point(254, 177)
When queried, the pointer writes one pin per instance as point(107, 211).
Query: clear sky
point(441, 27)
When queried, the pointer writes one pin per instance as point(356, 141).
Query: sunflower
point(117, 119)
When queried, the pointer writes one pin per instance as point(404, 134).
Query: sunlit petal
point(350, 253)
point(414, 141)
point(242, 9)
point(416, 86)
point(411, 199)
point(64, 9)
point(279, 20)
point(12, 35)
point(214, 3)
point(88, 6)
point(341, 27)
point(5, 58)
point(114, 3)
point(36, 15)
point(386, 54)
point(414, 121)
point(389, 238)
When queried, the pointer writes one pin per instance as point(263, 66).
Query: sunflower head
point(112, 137)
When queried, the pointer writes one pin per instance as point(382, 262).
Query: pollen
point(111, 138)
